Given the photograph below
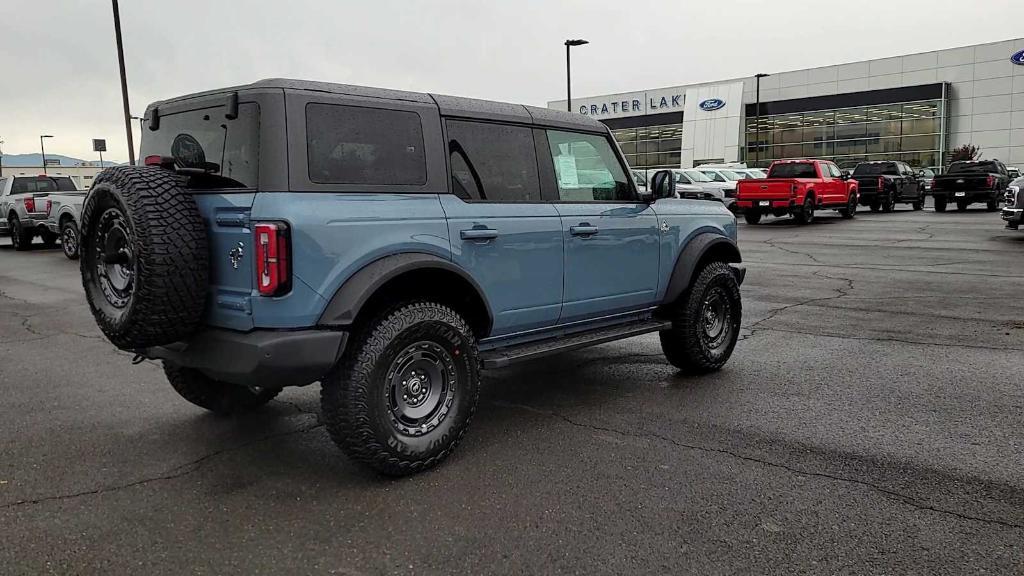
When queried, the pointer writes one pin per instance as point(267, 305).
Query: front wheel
point(405, 390)
point(219, 397)
point(69, 239)
point(851, 208)
point(752, 217)
point(940, 204)
point(705, 322)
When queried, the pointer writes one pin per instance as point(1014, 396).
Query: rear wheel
point(752, 217)
point(21, 239)
point(806, 213)
point(405, 390)
point(214, 395)
point(889, 203)
point(940, 204)
point(69, 239)
point(705, 322)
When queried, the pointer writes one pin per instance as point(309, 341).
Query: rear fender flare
point(693, 255)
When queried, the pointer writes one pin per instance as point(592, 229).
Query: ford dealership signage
point(712, 104)
point(1018, 58)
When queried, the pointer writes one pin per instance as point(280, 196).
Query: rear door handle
point(479, 234)
point(583, 230)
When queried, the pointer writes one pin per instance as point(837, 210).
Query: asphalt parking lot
point(870, 421)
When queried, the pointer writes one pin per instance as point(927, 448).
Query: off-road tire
point(21, 239)
point(684, 344)
point(70, 239)
point(167, 255)
point(940, 204)
point(752, 217)
point(806, 213)
point(356, 396)
point(218, 397)
point(851, 208)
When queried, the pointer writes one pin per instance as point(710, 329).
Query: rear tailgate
point(867, 184)
point(765, 189)
point(955, 182)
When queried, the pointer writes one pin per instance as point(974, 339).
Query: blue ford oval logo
point(711, 104)
point(1018, 58)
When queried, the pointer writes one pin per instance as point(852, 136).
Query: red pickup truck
point(798, 188)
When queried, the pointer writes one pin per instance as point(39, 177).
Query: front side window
point(370, 146)
point(492, 162)
point(834, 171)
point(214, 152)
point(587, 169)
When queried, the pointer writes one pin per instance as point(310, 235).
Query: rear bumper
point(967, 195)
point(773, 206)
point(265, 358)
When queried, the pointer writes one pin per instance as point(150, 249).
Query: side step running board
point(532, 350)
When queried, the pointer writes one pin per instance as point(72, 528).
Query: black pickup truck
point(882, 184)
point(970, 181)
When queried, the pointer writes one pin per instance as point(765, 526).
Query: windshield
point(757, 173)
point(734, 176)
point(875, 169)
point(792, 170)
point(696, 176)
point(973, 168)
point(214, 151)
point(43, 184)
point(928, 173)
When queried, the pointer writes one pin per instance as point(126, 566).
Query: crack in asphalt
point(904, 498)
point(174, 473)
point(774, 312)
point(899, 340)
point(771, 242)
point(893, 268)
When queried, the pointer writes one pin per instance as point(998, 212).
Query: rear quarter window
point(357, 145)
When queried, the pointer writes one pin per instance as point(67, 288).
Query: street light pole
point(757, 114)
point(568, 71)
point(42, 149)
point(124, 84)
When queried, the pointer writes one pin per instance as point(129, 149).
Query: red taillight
point(152, 161)
point(273, 273)
point(30, 204)
point(991, 181)
point(881, 184)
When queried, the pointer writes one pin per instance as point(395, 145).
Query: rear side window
point(214, 151)
point(793, 170)
point(587, 169)
point(356, 145)
point(973, 167)
point(492, 162)
point(42, 184)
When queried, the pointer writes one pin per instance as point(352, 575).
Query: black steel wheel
point(405, 390)
point(705, 322)
point(21, 239)
point(69, 239)
point(806, 213)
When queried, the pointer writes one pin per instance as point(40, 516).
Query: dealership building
point(914, 108)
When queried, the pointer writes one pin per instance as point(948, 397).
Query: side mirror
point(663, 185)
point(845, 175)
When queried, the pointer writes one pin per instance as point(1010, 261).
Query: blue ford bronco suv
point(390, 246)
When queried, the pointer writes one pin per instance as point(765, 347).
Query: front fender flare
point(696, 249)
point(348, 300)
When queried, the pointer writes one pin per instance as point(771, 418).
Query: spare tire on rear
point(144, 258)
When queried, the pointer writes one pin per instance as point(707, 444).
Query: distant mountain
point(26, 160)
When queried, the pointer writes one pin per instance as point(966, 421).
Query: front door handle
point(583, 230)
point(479, 234)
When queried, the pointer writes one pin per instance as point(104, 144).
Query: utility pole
point(124, 85)
point(757, 114)
point(568, 71)
point(42, 149)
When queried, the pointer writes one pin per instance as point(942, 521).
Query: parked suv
point(882, 184)
point(390, 245)
point(24, 205)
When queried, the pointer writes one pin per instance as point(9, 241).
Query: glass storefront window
point(652, 147)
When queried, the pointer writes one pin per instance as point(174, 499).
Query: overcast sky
point(60, 69)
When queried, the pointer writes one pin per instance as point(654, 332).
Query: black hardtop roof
point(447, 105)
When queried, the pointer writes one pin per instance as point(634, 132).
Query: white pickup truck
point(24, 207)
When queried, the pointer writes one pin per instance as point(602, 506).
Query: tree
point(965, 152)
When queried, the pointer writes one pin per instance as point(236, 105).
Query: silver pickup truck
point(63, 220)
point(24, 207)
